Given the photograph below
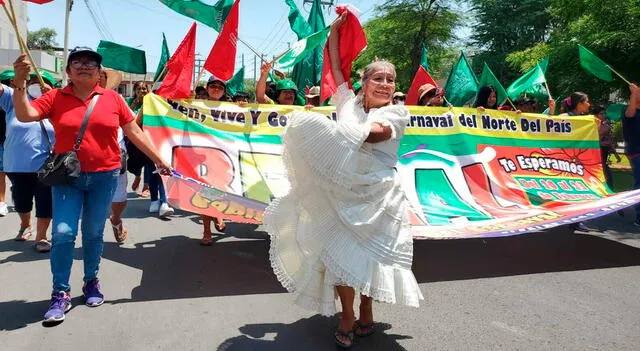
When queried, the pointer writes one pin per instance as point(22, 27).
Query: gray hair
point(374, 66)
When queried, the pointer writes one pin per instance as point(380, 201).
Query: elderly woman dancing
point(343, 226)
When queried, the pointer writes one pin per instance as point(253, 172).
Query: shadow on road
point(555, 250)
point(309, 334)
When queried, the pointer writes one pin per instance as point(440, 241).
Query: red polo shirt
point(99, 150)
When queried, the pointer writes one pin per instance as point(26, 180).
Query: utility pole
point(255, 70)
point(65, 54)
point(242, 60)
point(197, 70)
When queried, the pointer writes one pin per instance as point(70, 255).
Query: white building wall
point(8, 38)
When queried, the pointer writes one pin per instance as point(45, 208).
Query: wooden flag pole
point(164, 69)
point(548, 91)
point(619, 75)
point(195, 84)
point(23, 46)
point(511, 103)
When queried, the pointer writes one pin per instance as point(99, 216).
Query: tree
point(391, 37)
point(610, 29)
point(503, 27)
point(42, 39)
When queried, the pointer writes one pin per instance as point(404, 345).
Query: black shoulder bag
point(64, 168)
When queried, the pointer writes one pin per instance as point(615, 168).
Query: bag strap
point(83, 127)
point(46, 135)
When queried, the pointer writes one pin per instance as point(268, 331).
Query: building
point(10, 49)
point(8, 38)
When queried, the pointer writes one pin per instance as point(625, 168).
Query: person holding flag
point(343, 226)
point(286, 89)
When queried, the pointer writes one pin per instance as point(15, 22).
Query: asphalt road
point(545, 291)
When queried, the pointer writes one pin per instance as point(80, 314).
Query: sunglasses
point(87, 64)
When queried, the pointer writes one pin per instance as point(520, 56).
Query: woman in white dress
point(343, 226)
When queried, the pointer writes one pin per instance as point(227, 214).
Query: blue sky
point(263, 24)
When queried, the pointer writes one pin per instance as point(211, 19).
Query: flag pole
point(23, 46)
point(511, 103)
point(195, 84)
point(619, 75)
point(252, 49)
point(164, 69)
point(548, 91)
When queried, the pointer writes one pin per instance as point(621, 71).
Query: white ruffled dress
point(344, 220)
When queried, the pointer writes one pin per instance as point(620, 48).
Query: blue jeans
point(156, 188)
point(635, 166)
point(90, 195)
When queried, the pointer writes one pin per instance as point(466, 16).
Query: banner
point(466, 174)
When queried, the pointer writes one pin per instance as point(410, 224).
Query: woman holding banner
point(98, 154)
point(343, 226)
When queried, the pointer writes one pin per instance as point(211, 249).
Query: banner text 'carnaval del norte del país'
point(466, 173)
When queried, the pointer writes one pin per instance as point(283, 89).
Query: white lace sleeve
point(342, 95)
point(395, 117)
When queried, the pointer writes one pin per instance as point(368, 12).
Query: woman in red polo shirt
point(99, 155)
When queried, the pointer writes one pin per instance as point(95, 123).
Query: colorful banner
point(466, 173)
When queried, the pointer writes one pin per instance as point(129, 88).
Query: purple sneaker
point(60, 304)
point(91, 291)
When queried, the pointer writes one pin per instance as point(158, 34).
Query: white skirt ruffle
point(344, 220)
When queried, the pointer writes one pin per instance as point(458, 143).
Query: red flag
point(352, 42)
point(222, 58)
point(177, 82)
point(421, 78)
point(37, 1)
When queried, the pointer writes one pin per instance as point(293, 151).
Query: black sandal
point(369, 327)
point(348, 335)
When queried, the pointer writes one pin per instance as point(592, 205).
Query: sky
point(140, 23)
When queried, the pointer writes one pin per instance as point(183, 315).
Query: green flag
point(423, 59)
point(530, 83)
point(164, 58)
point(462, 85)
point(488, 78)
point(236, 83)
point(298, 24)
point(594, 65)
point(210, 15)
point(122, 58)
point(308, 72)
point(302, 48)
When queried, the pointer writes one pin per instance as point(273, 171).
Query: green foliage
point(610, 29)
point(503, 27)
point(42, 39)
point(523, 61)
point(398, 31)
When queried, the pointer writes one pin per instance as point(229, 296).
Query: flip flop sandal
point(349, 335)
point(119, 233)
point(220, 227)
point(23, 234)
point(368, 327)
point(43, 246)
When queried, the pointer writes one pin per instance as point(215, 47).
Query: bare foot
point(344, 335)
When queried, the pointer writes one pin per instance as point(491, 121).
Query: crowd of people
point(327, 234)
